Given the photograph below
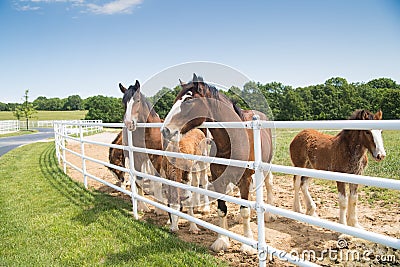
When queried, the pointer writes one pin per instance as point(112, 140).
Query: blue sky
point(57, 48)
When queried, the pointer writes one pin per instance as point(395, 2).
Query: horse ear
point(378, 115)
point(364, 115)
point(195, 78)
point(182, 83)
point(137, 85)
point(122, 88)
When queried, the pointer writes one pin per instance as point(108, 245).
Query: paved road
point(9, 143)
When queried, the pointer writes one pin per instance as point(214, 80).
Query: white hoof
point(355, 224)
point(173, 229)
point(269, 217)
point(312, 213)
point(194, 229)
point(222, 243)
point(248, 249)
point(206, 210)
point(142, 207)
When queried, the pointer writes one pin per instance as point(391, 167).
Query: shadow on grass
point(142, 242)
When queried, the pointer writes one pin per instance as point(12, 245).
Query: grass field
point(49, 220)
point(43, 115)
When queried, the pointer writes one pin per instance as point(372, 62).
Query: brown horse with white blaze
point(139, 109)
point(199, 102)
point(346, 152)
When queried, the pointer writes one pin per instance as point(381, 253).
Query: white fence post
point(132, 174)
point(64, 132)
point(83, 154)
point(259, 178)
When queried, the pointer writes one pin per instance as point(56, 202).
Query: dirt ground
point(294, 237)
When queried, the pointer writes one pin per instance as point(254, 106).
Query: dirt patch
point(284, 234)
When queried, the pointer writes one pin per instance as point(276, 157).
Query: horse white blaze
point(176, 108)
point(128, 114)
point(379, 152)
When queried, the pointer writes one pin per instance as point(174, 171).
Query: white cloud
point(108, 7)
point(114, 7)
point(27, 8)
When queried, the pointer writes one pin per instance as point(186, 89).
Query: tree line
point(334, 99)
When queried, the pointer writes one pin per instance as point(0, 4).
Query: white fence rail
point(9, 126)
point(62, 133)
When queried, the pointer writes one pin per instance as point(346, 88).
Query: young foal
point(182, 171)
point(346, 152)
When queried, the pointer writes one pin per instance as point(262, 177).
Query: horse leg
point(204, 184)
point(296, 185)
point(222, 242)
point(244, 187)
point(342, 202)
point(269, 217)
point(310, 205)
point(195, 203)
point(352, 219)
point(174, 203)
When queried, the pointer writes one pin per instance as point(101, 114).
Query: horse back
point(311, 148)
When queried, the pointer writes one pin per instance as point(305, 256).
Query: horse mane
point(131, 92)
point(358, 114)
point(214, 92)
point(361, 114)
point(153, 113)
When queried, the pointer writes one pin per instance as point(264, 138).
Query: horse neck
point(348, 140)
point(227, 139)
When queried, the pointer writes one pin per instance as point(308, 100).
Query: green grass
point(44, 115)
point(388, 168)
point(49, 220)
point(22, 132)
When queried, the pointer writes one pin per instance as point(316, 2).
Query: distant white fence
point(62, 134)
point(49, 123)
point(9, 126)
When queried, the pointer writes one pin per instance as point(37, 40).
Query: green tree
point(383, 83)
point(108, 109)
point(26, 110)
point(163, 100)
point(73, 102)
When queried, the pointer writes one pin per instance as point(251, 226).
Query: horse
point(116, 157)
point(138, 109)
point(199, 102)
point(184, 171)
point(346, 152)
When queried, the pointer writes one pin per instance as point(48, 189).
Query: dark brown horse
point(199, 102)
point(346, 152)
point(138, 109)
point(116, 157)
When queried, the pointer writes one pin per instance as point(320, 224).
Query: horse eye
point(369, 132)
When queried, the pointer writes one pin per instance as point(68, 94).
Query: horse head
point(371, 139)
point(189, 111)
point(131, 101)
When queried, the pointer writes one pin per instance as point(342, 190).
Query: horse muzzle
point(131, 125)
point(169, 136)
point(379, 156)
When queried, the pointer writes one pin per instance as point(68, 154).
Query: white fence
point(62, 133)
point(9, 126)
